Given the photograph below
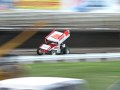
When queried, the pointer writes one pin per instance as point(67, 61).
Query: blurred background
point(94, 27)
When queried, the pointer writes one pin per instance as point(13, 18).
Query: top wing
point(57, 36)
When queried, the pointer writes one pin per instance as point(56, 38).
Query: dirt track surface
point(72, 50)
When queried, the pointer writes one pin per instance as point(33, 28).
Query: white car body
point(42, 83)
point(45, 46)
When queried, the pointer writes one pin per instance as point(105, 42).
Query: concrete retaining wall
point(77, 21)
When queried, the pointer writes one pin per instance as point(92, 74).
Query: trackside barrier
point(19, 20)
point(93, 57)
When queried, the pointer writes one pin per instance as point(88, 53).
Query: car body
point(54, 43)
point(43, 83)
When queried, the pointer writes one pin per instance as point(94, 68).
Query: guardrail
point(67, 58)
point(20, 20)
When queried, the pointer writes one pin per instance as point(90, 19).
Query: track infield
point(99, 75)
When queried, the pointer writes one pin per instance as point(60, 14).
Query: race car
point(54, 43)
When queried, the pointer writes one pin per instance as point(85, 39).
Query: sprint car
point(54, 43)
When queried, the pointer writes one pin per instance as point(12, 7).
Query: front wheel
point(39, 52)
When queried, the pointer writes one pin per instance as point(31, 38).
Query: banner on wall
point(39, 4)
point(61, 5)
point(68, 5)
point(82, 5)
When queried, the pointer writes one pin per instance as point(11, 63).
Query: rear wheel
point(39, 52)
point(53, 52)
point(66, 50)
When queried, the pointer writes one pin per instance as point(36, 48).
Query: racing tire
point(66, 50)
point(53, 52)
point(39, 51)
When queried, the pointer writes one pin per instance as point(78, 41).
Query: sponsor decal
point(56, 36)
point(38, 4)
point(61, 37)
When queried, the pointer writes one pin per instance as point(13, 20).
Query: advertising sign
point(39, 4)
point(82, 5)
point(62, 5)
